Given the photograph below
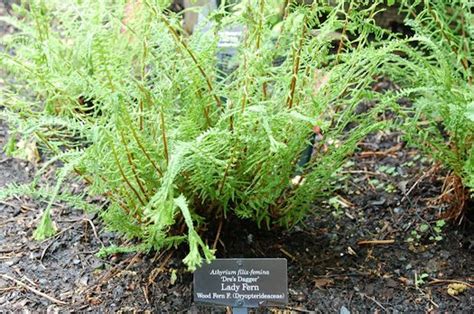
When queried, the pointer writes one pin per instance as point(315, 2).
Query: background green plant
point(140, 112)
point(442, 92)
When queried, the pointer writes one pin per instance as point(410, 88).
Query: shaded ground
point(328, 269)
point(386, 192)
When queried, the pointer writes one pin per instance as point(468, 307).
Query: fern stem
point(143, 74)
point(112, 197)
point(163, 136)
point(446, 37)
point(343, 33)
point(122, 173)
point(140, 115)
point(226, 173)
point(206, 115)
point(179, 40)
point(142, 148)
point(259, 35)
point(260, 23)
point(296, 67)
point(132, 166)
point(245, 91)
point(205, 109)
point(231, 117)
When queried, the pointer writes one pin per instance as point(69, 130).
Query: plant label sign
point(242, 282)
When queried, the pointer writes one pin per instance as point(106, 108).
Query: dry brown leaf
point(27, 150)
point(405, 281)
point(321, 283)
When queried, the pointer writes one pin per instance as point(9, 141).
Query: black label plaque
point(245, 282)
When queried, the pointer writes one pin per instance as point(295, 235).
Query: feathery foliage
point(440, 75)
point(141, 112)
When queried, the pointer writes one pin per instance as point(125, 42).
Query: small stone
point(297, 295)
point(378, 202)
point(344, 310)
point(301, 297)
point(250, 238)
point(84, 280)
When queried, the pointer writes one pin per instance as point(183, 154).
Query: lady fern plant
point(440, 77)
point(142, 114)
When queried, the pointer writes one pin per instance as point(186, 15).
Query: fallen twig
point(44, 295)
point(8, 204)
point(423, 176)
point(382, 242)
point(56, 236)
point(388, 152)
point(373, 300)
point(155, 272)
point(369, 154)
point(441, 281)
point(94, 230)
point(287, 253)
point(132, 262)
point(455, 297)
point(109, 274)
point(291, 309)
point(7, 221)
point(9, 250)
point(145, 294)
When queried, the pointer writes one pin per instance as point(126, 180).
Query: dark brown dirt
point(386, 192)
point(328, 270)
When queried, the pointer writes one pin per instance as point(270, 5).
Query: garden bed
point(327, 268)
point(381, 244)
